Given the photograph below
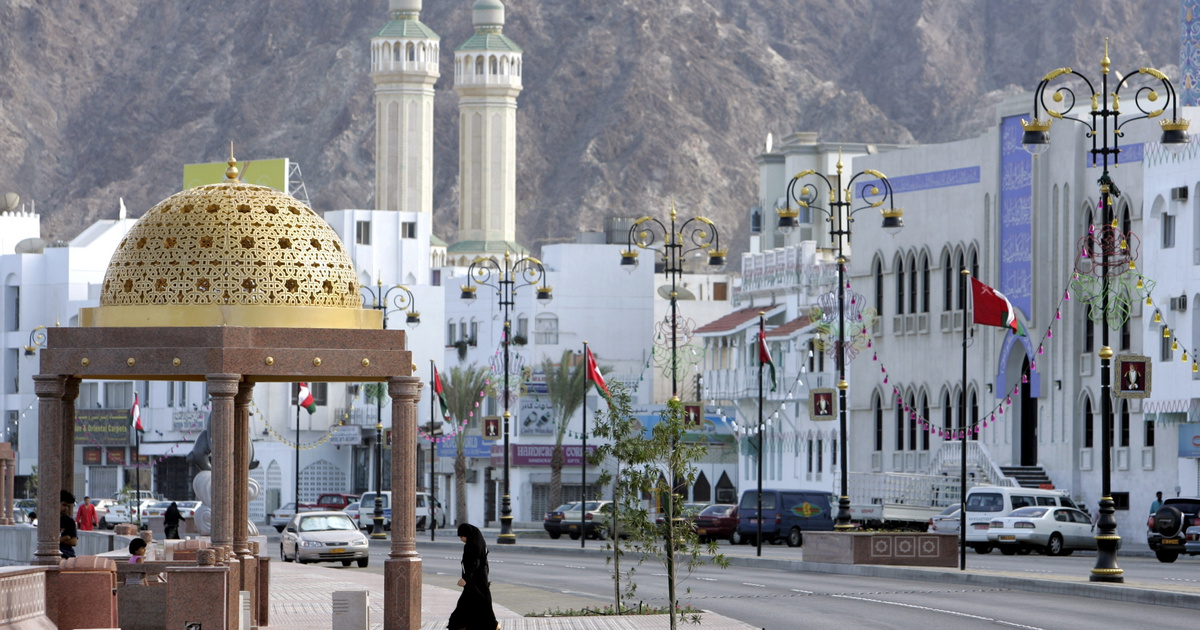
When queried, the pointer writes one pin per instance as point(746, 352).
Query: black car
point(554, 518)
point(1168, 526)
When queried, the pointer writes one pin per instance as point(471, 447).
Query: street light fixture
point(384, 300)
point(506, 278)
point(1105, 128)
point(840, 215)
point(673, 245)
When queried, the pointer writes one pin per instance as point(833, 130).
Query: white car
point(325, 536)
point(367, 510)
point(127, 512)
point(948, 522)
point(1055, 531)
point(280, 517)
point(352, 511)
point(187, 509)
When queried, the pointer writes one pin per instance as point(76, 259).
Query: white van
point(985, 503)
point(366, 510)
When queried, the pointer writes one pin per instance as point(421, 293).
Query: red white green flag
point(135, 413)
point(764, 357)
point(594, 375)
point(305, 399)
point(441, 394)
point(992, 308)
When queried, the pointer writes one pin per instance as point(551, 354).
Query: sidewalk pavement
point(302, 599)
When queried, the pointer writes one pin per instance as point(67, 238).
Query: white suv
point(366, 510)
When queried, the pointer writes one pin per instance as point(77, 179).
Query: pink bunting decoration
point(1049, 333)
point(1033, 366)
point(1067, 295)
point(1057, 315)
point(1039, 349)
point(1024, 378)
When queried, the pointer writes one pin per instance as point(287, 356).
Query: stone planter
point(890, 548)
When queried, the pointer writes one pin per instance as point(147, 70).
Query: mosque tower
point(487, 77)
point(404, 65)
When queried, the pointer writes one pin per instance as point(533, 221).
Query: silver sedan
point(1055, 531)
point(323, 537)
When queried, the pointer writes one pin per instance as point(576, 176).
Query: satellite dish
point(9, 201)
point(770, 142)
point(30, 246)
point(680, 293)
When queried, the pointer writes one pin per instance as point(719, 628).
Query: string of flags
point(461, 427)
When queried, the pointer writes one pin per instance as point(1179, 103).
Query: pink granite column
point(241, 466)
point(49, 389)
point(222, 388)
point(70, 394)
point(402, 569)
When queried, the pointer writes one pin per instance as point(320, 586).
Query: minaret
point(404, 65)
point(487, 77)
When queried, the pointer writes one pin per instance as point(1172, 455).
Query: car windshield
point(566, 507)
point(951, 509)
point(1029, 512)
point(592, 506)
point(750, 501)
point(985, 502)
point(326, 523)
point(717, 510)
point(285, 508)
point(162, 504)
point(369, 499)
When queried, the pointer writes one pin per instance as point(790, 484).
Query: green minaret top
point(406, 21)
point(488, 18)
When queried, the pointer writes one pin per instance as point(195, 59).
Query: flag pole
point(296, 480)
point(762, 327)
point(137, 484)
point(433, 405)
point(962, 472)
point(583, 453)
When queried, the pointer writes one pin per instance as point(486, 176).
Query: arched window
point(1124, 435)
point(962, 294)
point(974, 401)
point(947, 282)
point(912, 423)
point(925, 418)
point(479, 66)
point(412, 52)
point(1089, 431)
point(974, 263)
point(545, 329)
point(878, 273)
point(899, 425)
point(947, 412)
point(924, 283)
point(877, 411)
point(900, 285)
point(913, 285)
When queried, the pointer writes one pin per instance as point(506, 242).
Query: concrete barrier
point(22, 598)
point(17, 544)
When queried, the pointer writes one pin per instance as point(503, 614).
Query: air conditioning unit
point(1179, 193)
point(1085, 364)
point(1179, 303)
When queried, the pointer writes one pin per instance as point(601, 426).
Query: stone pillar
point(5, 498)
point(70, 395)
point(49, 389)
point(9, 484)
point(241, 466)
point(222, 388)
point(402, 569)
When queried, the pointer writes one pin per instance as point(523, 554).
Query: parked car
point(948, 522)
point(1055, 531)
point(324, 536)
point(352, 511)
point(786, 515)
point(552, 522)
point(716, 522)
point(280, 517)
point(1169, 528)
point(987, 503)
point(329, 501)
point(102, 506)
point(595, 516)
point(187, 509)
point(25, 505)
point(421, 505)
point(127, 512)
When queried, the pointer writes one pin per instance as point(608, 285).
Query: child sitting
point(137, 551)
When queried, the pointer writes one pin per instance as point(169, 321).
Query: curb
point(1113, 592)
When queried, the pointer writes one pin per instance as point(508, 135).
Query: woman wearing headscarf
point(474, 609)
point(171, 519)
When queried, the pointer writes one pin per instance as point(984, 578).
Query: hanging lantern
point(1157, 317)
point(1067, 296)
point(1024, 378)
point(1049, 333)
point(1057, 315)
point(1008, 400)
point(1039, 349)
point(1033, 366)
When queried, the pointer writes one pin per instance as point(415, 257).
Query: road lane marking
point(573, 566)
point(754, 585)
point(535, 564)
point(707, 579)
point(938, 610)
point(796, 590)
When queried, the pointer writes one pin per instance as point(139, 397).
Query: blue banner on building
point(1016, 217)
point(473, 446)
point(1189, 439)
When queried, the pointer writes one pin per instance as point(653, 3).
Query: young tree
point(646, 466)
point(462, 393)
point(566, 389)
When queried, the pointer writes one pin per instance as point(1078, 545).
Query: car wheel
point(1055, 546)
point(555, 535)
point(1166, 556)
point(346, 563)
point(795, 538)
point(601, 533)
point(736, 539)
point(574, 535)
point(362, 562)
point(983, 549)
point(282, 556)
point(1008, 551)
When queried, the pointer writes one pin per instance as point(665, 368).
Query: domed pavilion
point(233, 284)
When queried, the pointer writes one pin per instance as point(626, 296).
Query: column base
point(506, 537)
point(402, 592)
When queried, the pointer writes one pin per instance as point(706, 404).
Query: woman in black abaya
point(474, 609)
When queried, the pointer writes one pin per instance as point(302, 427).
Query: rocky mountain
point(627, 103)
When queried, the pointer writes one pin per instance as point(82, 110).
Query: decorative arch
point(947, 279)
point(913, 283)
point(877, 418)
point(1035, 379)
point(925, 279)
point(1087, 423)
point(899, 271)
point(877, 275)
point(960, 263)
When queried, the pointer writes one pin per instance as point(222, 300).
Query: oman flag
point(305, 399)
point(594, 375)
point(441, 394)
point(764, 357)
point(135, 414)
point(993, 309)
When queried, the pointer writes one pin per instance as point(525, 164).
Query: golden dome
point(231, 254)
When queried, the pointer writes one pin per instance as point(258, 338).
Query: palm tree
point(462, 392)
point(566, 389)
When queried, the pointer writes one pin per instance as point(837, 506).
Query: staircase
point(1028, 476)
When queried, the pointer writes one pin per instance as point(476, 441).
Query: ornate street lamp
point(840, 215)
point(384, 300)
point(1105, 128)
point(506, 279)
point(673, 245)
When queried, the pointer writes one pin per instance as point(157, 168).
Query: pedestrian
point(85, 518)
point(474, 609)
point(68, 536)
point(171, 519)
point(1157, 502)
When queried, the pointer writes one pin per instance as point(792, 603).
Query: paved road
point(531, 582)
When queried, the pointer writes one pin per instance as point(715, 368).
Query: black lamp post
point(1105, 130)
point(384, 300)
point(840, 215)
point(506, 279)
point(673, 244)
